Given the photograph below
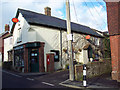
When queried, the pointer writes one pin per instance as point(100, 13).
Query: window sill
point(19, 41)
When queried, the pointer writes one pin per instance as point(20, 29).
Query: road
point(14, 80)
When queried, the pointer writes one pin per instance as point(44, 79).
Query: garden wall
point(96, 68)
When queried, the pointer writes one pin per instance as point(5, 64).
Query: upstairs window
point(96, 41)
point(19, 39)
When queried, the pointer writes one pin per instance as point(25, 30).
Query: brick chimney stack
point(7, 27)
point(47, 11)
point(113, 19)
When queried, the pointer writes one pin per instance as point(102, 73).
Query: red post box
point(50, 62)
point(48, 59)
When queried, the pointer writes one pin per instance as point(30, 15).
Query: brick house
point(37, 34)
point(2, 35)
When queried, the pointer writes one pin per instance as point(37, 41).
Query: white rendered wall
point(51, 38)
point(24, 31)
point(8, 45)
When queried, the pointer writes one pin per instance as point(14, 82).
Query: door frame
point(29, 53)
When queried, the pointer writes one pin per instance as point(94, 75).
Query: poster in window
point(35, 54)
point(32, 54)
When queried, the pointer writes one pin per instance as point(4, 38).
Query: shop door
point(34, 60)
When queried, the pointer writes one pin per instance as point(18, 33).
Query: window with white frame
point(19, 39)
point(96, 41)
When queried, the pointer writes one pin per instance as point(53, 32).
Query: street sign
point(15, 20)
point(69, 36)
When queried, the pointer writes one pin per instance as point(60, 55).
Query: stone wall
point(93, 69)
point(78, 43)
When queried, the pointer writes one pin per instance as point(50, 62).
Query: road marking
point(64, 81)
point(11, 73)
point(48, 84)
point(30, 79)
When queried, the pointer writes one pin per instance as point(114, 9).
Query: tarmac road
point(13, 80)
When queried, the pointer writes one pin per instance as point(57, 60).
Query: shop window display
point(19, 58)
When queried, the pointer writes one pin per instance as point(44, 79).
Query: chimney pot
point(47, 11)
point(7, 27)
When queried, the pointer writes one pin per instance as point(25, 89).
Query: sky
point(91, 13)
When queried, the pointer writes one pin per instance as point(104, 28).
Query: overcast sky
point(91, 13)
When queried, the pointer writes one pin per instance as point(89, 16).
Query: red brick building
point(4, 34)
point(113, 16)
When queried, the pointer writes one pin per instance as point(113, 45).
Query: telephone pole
point(69, 37)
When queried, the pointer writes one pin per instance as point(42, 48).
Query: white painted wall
point(83, 57)
point(8, 45)
point(51, 38)
point(24, 31)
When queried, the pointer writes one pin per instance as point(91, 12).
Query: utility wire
point(91, 13)
point(101, 4)
point(97, 11)
point(75, 10)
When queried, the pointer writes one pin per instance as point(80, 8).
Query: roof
point(34, 18)
point(9, 35)
point(3, 34)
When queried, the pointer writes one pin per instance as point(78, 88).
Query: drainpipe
point(61, 46)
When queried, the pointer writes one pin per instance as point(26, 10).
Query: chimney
point(7, 27)
point(47, 11)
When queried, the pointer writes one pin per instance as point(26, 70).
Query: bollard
point(84, 75)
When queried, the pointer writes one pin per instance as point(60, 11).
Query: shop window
point(56, 57)
point(19, 58)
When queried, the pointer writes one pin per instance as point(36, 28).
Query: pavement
point(100, 82)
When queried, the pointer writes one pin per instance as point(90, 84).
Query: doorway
point(33, 60)
point(90, 51)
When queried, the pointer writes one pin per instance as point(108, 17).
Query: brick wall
point(41, 58)
point(115, 53)
point(25, 59)
point(113, 18)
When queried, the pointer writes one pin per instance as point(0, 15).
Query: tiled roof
point(41, 19)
